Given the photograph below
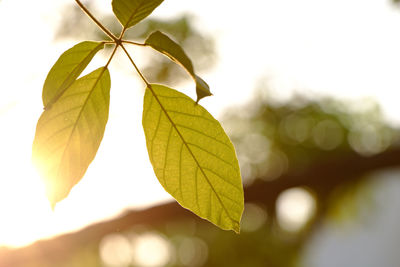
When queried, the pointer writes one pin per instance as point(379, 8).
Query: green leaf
point(67, 69)
point(69, 133)
point(202, 89)
point(192, 156)
point(163, 44)
point(130, 12)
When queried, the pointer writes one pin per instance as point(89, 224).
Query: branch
point(135, 66)
point(104, 29)
point(322, 177)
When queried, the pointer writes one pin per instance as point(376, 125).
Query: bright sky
point(344, 48)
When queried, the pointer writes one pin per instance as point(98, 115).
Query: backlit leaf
point(163, 44)
point(69, 133)
point(67, 69)
point(192, 156)
point(202, 88)
point(130, 12)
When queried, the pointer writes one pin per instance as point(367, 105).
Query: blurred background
point(307, 90)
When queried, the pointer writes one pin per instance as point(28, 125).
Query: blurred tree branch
point(322, 178)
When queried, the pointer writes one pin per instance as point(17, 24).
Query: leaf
point(130, 12)
point(163, 44)
point(69, 133)
point(202, 89)
point(67, 69)
point(192, 156)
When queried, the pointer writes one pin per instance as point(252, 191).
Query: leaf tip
point(236, 227)
point(52, 198)
point(199, 97)
point(202, 89)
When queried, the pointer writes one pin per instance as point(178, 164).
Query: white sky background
point(343, 48)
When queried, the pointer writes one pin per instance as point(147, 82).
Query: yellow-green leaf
point(67, 69)
point(130, 12)
point(165, 45)
point(202, 88)
point(192, 156)
point(69, 133)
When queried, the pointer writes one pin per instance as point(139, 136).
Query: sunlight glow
point(151, 250)
point(295, 207)
point(254, 217)
point(192, 251)
point(19, 202)
point(116, 250)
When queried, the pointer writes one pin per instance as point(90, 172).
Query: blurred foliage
point(273, 137)
point(395, 3)
point(352, 202)
point(199, 46)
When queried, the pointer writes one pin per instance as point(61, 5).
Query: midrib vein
point(80, 114)
point(190, 151)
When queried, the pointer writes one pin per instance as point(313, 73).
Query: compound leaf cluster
point(191, 155)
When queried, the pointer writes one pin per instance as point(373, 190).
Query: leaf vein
point(191, 115)
point(212, 154)
point(133, 14)
point(180, 171)
point(148, 109)
point(204, 134)
point(57, 132)
point(222, 178)
point(154, 136)
point(80, 114)
point(195, 188)
point(174, 97)
point(166, 154)
point(190, 152)
point(59, 114)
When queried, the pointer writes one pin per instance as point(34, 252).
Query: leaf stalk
point(133, 43)
point(104, 29)
point(112, 55)
point(135, 66)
